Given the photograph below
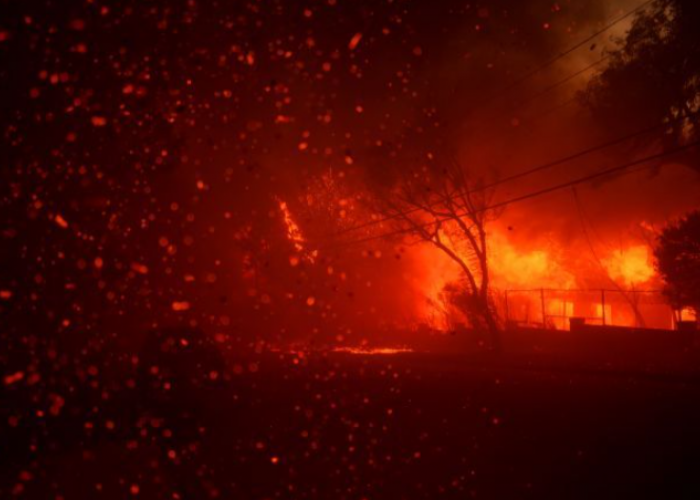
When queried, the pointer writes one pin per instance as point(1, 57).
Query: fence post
point(507, 311)
point(602, 305)
point(544, 313)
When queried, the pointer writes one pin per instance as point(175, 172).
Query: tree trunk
point(492, 326)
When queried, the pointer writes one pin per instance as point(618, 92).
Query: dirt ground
point(367, 427)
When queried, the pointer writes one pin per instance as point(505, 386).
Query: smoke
point(470, 106)
point(174, 154)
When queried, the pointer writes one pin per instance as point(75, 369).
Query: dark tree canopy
point(678, 261)
point(653, 75)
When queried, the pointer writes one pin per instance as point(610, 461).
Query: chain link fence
point(558, 308)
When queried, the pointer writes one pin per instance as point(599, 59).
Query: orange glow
point(631, 266)
point(432, 272)
point(510, 268)
point(139, 268)
point(543, 265)
point(61, 221)
point(559, 311)
point(536, 268)
point(687, 314)
point(608, 313)
point(354, 41)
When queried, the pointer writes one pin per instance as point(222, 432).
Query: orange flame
point(509, 268)
point(546, 266)
point(294, 233)
point(432, 272)
point(631, 266)
point(515, 268)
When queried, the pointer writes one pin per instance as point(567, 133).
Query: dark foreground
point(340, 426)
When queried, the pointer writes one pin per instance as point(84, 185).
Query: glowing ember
point(61, 221)
point(180, 306)
point(354, 41)
point(372, 351)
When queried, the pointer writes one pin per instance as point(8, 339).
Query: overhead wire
point(587, 178)
point(529, 74)
point(553, 86)
point(531, 171)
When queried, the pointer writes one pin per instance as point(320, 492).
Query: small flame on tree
point(294, 233)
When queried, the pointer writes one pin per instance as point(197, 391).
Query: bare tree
point(441, 204)
point(677, 253)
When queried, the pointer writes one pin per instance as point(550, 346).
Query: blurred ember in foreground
point(349, 249)
point(372, 350)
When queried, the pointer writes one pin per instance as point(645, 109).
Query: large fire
point(432, 272)
point(509, 269)
point(515, 268)
point(538, 282)
point(545, 284)
point(631, 266)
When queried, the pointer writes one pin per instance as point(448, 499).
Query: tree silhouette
point(678, 261)
point(653, 76)
point(441, 204)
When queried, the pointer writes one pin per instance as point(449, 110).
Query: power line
point(534, 194)
point(568, 51)
point(580, 154)
point(539, 94)
point(552, 87)
point(526, 76)
point(529, 74)
point(561, 82)
point(544, 91)
point(530, 171)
